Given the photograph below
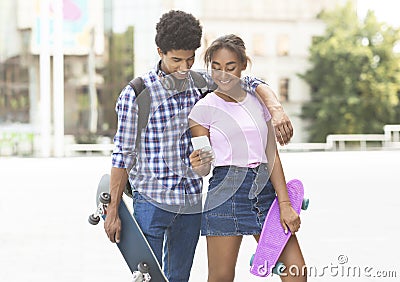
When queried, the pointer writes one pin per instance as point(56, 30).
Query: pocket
point(138, 198)
point(264, 199)
point(221, 188)
point(219, 175)
point(261, 181)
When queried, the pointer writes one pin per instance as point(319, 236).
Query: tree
point(117, 73)
point(355, 76)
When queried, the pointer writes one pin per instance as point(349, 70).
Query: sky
point(385, 10)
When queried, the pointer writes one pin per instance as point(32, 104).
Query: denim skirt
point(237, 202)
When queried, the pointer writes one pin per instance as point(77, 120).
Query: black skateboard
point(133, 244)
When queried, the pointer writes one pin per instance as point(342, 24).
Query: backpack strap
point(201, 84)
point(137, 84)
point(143, 100)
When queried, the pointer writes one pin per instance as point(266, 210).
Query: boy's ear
point(244, 67)
point(160, 53)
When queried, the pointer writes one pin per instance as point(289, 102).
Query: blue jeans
point(173, 236)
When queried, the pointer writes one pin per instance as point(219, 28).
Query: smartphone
point(201, 142)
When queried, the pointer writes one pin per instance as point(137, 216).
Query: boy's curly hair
point(178, 30)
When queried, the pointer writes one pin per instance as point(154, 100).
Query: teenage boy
point(166, 193)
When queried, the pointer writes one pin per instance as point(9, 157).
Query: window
point(283, 45)
point(284, 89)
point(14, 91)
point(259, 45)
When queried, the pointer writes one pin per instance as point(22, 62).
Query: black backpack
point(144, 102)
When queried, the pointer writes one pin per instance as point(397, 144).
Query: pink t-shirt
point(238, 131)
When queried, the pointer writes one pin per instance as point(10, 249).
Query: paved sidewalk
point(350, 225)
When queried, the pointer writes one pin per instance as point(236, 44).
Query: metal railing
point(20, 140)
point(390, 139)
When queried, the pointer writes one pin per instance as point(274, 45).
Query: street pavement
point(347, 234)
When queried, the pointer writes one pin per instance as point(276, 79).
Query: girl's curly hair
point(178, 30)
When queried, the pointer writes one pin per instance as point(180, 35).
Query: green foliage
point(355, 76)
point(119, 69)
point(117, 73)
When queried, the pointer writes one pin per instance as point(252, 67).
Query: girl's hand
point(289, 218)
point(201, 161)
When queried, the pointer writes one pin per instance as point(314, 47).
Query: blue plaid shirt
point(161, 168)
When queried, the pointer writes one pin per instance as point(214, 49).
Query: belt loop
point(256, 169)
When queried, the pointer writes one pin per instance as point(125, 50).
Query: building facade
point(23, 27)
point(277, 34)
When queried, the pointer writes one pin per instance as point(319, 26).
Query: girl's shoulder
point(210, 99)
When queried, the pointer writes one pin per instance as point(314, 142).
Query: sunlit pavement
point(348, 233)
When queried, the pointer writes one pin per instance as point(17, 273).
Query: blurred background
point(333, 64)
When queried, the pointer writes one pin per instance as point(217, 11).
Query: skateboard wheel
point(251, 259)
point(105, 198)
point(279, 268)
point(93, 219)
point(304, 204)
point(143, 267)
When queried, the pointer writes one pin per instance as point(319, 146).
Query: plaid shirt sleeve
point(250, 83)
point(124, 154)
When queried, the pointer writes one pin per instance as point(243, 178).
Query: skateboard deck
point(273, 238)
point(133, 244)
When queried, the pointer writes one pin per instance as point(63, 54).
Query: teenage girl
point(247, 173)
